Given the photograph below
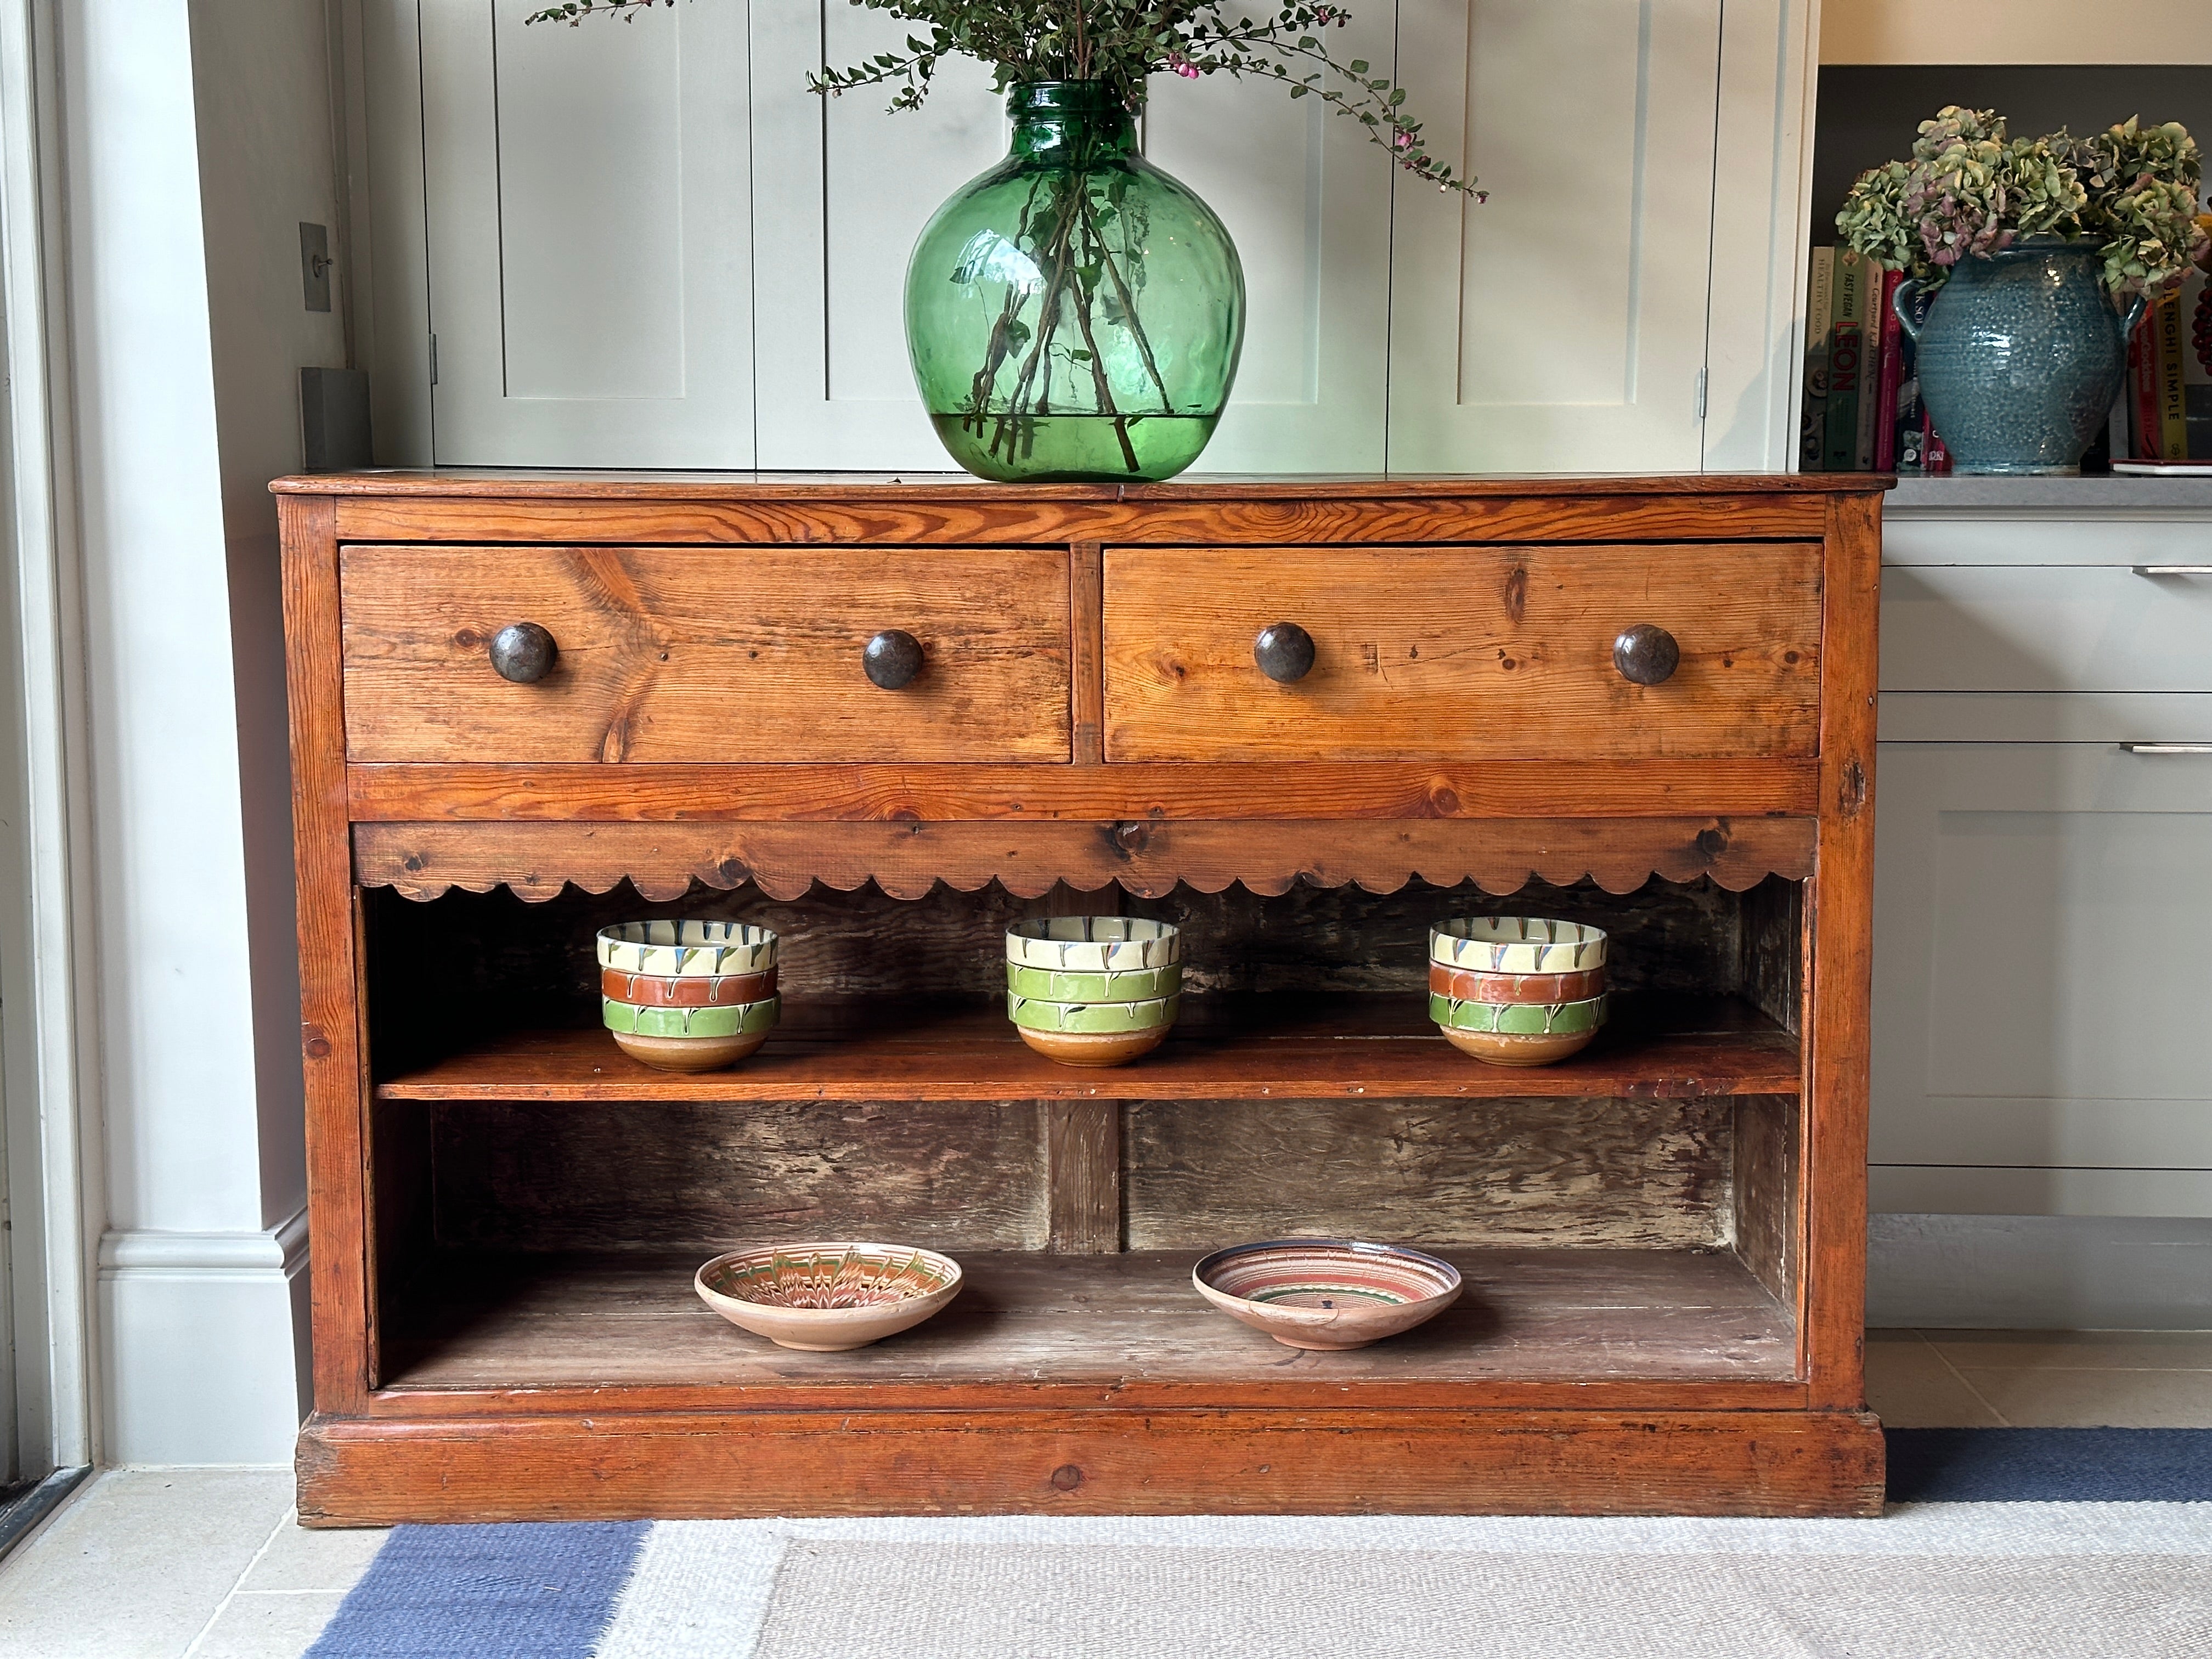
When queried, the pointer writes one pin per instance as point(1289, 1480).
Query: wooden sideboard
point(1663, 1238)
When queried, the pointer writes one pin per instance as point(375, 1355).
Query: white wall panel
point(1307, 198)
point(843, 188)
point(589, 237)
point(1560, 325)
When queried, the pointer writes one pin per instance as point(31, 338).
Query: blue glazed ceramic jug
point(2021, 356)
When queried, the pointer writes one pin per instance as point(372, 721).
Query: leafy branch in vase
point(1123, 44)
point(1074, 265)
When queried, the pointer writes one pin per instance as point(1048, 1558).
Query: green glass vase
point(1074, 314)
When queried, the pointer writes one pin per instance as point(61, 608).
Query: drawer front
point(1462, 653)
point(705, 653)
point(2043, 627)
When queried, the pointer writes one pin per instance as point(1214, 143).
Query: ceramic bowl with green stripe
point(1131, 985)
point(673, 948)
point(1097, 1018)
point(1093, 944)
point(1518, 1018)
point(734, 1019)
point(680, 1039)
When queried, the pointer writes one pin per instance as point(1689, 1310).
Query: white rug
point(1933, 1581)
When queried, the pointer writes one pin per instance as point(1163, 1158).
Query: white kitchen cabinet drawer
point(2044, 628)
point(2043, 959)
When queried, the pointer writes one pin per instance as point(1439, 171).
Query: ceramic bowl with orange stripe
point(1472, 984)
point(686, 991)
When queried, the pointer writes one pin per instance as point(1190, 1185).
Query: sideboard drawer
point(1462, 653)
point(2047, 627)
point(705, 653)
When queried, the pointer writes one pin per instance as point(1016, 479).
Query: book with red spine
point(1893, 374)
point(2144, 418)
point(2173, 408)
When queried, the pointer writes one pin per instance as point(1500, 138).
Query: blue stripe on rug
point(520, 1591)
point(2050, 1466)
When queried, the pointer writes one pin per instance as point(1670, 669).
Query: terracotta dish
point(1326, 1293)
point(1095, 1047)
point(1517, 1048)
point(825, 1299)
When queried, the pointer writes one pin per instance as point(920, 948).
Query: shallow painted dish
point(1518, 1018)
point(1326, 1293)
point(743, 1020)
point(1131, 985)
point(1508, 1049)
point(827, 1297)
point(1095, 1047)
point(1472, 984)
point(1092, 1017)
point(686, 990)
point(1093, 944)
point(1516, 944)
point(687, 948)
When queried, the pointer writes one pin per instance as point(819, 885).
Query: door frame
point(46, 960)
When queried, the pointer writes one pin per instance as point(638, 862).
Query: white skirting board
point(2039, 1272)
point(204, 1343)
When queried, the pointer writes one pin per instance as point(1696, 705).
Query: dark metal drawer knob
point(522, 652)
point(1284, 652)
point(892, 659)
point(1646, 655)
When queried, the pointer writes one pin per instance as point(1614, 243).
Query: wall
point(2015, 32)
point(197, 134)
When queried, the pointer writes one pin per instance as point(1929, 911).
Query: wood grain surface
point(504, 1209)
point(706, 654)
point(1650, 1174)
point(606, 1464)
point(333, 1057)
point(1146, 857)
point(1462, 653)
point(1128, 1322)
point(1839, 936)
point(1082, 1176)
point(906, 795)
point(1272, 1047)
point(939, 1174)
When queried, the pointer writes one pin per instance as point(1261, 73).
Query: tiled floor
point(163, 1564)
point(207, 1563)
point(2040, 1379)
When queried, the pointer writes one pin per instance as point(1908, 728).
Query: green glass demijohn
point(1074, 314)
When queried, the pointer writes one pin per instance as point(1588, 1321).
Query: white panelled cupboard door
point(589, 237)
point(2042, 973)
point(841, 190)
point(1560, 326)
point(1307, 198)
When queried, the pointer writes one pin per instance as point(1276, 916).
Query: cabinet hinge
point(433, 374)
point(1701, 393)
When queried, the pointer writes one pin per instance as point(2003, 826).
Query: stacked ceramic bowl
point(1093, 990)
point(688, 996)
point(1516, 990)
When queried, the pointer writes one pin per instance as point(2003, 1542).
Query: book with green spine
point(1847, 357)
point(1813, 444)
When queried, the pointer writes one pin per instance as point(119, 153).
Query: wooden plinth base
point(378, 1472)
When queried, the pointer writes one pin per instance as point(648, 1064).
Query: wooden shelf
point(1224, 1047)
point(1130, 1324)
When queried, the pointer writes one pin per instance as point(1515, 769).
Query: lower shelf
point(1118, 1325)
